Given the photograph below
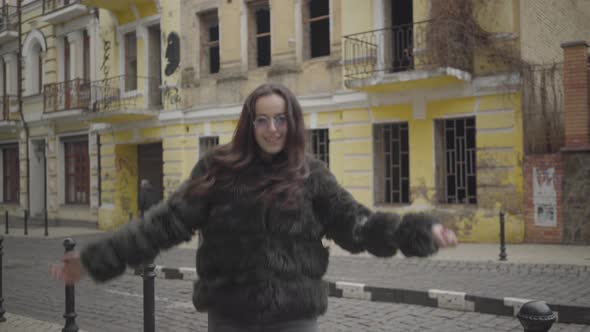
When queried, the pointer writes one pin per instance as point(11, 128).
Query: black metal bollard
point(130, 216)
point(149, 301)
point(70, 314)
point(536, 316)
point(26, 222)
point(503, 255)
point(46, 225)
point(5, 222)
point(2, 311)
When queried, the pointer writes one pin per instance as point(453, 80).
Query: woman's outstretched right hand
point(71, 270)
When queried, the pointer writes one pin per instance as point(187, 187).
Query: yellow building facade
point(44, 111)
point(415, 106)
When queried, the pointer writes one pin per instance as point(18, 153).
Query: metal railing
point(53, 5)
point(118, 93)
point(8, 18)
point(9, 107)
point(73, 94)
point(422, 45)
point(110, 94)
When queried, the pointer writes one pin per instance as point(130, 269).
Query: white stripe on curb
point(451, 300)
point(351, 290)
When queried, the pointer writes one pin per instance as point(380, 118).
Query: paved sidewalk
point(17, 323)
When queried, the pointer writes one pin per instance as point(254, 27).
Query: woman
point(263, 207)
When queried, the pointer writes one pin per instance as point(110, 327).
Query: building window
point(318, 144)
point(77, 171)
point(210, 42)
point(130, 61)
point(455, 156)
point(259, 25)
point(206, 144)
point(392, 163)
point(316, 16)
point(11, 176)
point(35, 70)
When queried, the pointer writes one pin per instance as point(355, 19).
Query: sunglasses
point(264, 123)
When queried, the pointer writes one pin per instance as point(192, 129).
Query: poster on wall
point(544, 197)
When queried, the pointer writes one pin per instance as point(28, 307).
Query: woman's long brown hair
point(288, 169)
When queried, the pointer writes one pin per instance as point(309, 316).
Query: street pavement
point(117, 306)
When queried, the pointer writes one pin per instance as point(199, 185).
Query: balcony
point(120, 8)
point(59, 11)
point(124, 99)
point(10, 115)
point(424, 54)
point(66, 99)
point(8, 24)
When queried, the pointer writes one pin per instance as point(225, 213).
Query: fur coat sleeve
point(166, 224)
point(355, 228)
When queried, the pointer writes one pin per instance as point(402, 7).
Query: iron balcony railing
point(8, 18)
point(53, 5)
point(69, 95)
point(125, 92)
point(9, 107)
point(111, 94)
point(418, 46)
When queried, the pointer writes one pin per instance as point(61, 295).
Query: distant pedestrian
point(263, 207)
point(148, 196)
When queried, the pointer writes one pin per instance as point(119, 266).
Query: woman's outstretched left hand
point(443, 236)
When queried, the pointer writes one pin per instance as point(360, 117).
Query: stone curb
point(444, 299)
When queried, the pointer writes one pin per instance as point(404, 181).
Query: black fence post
point(149, 301)
point(46, 224)
point(26, 222)
point(503, 255)
point(5, 222)
point(2, 311)
point(70, 314)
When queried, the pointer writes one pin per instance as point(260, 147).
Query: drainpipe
point(19, 94)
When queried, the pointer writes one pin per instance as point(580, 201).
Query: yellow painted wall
point(121, 181)
point(499, 160)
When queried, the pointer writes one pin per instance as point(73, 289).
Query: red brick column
point(535, 233)
point(575, 89)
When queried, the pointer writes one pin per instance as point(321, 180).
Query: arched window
point(33, 49)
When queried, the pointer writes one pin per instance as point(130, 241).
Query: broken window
point(392, 163)
point(210, 42)
point(130, 61)
point(318, 144)
point(455, 157)
point(259, 25)
point(206, 144)
point(316, 16)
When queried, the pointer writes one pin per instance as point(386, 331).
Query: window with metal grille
point(316, 16)
point(318, 144)
point(456, 161)
point(77, 171)
point(259, 36)
point(11, 176)
point(209, 23)
point(130, 61)
point(206, 144)
point(392, 163)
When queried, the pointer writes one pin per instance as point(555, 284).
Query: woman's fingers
point(443, 236)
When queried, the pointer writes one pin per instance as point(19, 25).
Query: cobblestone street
point(117, 306)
